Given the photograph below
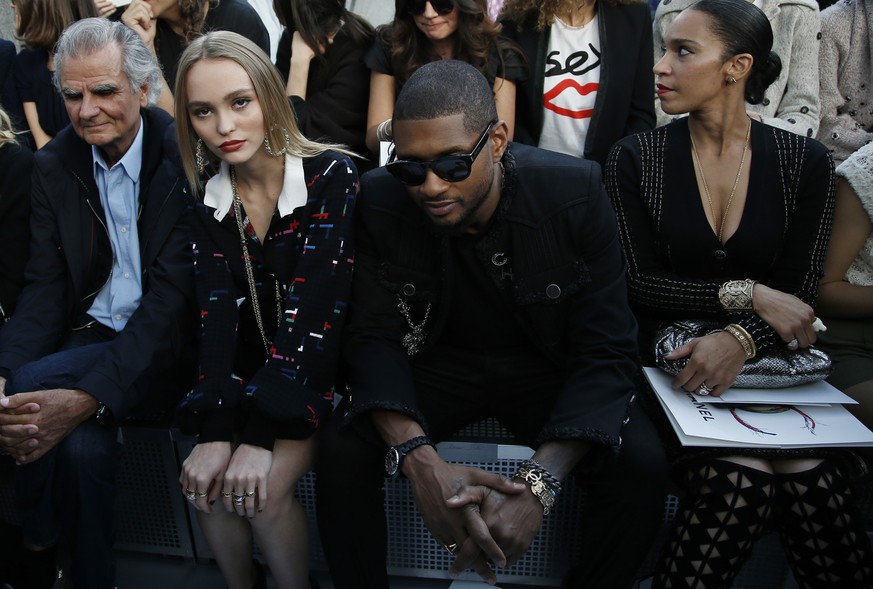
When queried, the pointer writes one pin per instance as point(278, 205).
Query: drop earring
point(279, 152)
point(200, 159)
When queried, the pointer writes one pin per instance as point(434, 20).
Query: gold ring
point(703, 390)
point(226, 494)
point(250, 493)
point(201, 494)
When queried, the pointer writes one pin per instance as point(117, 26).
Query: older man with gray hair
point(107, 309)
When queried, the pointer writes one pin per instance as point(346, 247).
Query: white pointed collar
point(219, 194)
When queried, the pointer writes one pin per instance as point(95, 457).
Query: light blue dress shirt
point(119, 195)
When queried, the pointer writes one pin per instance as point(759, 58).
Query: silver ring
point(238, 499)
point(703, 390)
point(792, 345)
point(190, 495)
point(452, 548)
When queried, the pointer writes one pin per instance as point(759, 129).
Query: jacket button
point(804, 109)
point(553, 291)
point(720, 254)
point(409, 289)
point(766, 102)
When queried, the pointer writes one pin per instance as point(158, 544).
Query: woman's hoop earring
point(278, 152)
point(200, 159)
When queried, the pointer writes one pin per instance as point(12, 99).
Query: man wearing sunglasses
point(489, 283)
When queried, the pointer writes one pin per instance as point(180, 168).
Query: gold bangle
point(735, 296)
point(744, 338)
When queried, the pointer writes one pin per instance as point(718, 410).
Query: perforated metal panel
point(151, 511)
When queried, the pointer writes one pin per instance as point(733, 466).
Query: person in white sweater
point(846, 67)
point(792, 101)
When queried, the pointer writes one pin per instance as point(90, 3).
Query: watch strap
point(401, 450)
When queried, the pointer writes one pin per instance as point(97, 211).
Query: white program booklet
point(698, 422)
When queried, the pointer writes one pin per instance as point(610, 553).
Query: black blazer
point(558, 234)
point(71, 260)
point(625, 99)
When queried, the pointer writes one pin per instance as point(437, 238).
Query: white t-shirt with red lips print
point(570, 86)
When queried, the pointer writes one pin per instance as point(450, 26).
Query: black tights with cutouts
point(729, 506)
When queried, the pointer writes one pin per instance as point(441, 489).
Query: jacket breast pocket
point(545, 299)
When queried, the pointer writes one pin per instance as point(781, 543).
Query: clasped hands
point(489, 519)
point(32, 423)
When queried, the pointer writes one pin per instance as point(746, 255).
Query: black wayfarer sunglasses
point(417, 7)
point(451, 168)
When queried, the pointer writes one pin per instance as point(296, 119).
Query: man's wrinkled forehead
point(98, 71)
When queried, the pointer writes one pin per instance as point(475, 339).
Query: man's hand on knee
point(57, 413)
point(17, 426)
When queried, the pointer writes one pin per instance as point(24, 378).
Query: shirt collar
point(219, 194)
point(131, 162)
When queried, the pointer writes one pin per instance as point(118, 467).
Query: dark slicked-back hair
point(744, 28)
point(445, 88)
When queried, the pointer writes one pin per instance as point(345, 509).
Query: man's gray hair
point(90, 35)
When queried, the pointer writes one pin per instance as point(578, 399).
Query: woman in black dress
point(724, 218)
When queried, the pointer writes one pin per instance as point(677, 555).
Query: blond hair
point(7, 132)
point(279, 119)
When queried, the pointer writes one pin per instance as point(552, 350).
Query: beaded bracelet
point(744, 338)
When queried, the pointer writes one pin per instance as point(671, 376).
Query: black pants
point(70, 492)
point(624, 493)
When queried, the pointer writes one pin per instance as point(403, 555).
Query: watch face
point(392, 462)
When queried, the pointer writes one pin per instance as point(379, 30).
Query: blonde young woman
point(273, 252)
point(16, 165)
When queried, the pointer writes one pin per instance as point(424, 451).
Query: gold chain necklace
point(720, 227)
point(256, 306)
